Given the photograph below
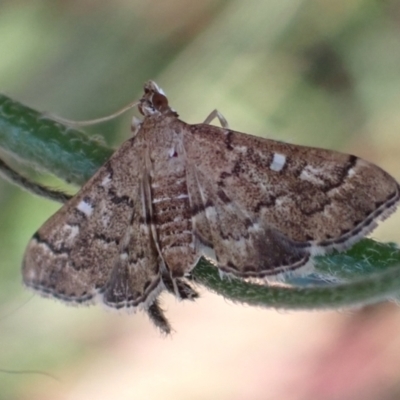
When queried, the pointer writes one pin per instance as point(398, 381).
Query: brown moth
point(175, 192)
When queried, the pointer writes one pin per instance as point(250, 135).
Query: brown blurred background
point(316, 72)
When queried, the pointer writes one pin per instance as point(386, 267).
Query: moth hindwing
point(175, 192)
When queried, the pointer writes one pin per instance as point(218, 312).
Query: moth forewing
point(314, 197)
point(73, 255)
point(175, 192)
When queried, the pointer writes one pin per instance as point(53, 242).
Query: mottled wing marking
point(318, 198)
point(89, 247)
point(135, 279)
point(241, 244)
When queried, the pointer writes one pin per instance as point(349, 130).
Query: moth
point(175, 192)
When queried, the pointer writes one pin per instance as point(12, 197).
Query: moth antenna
point(158, 318)
point(17, 179)
point(29, 372)
point(92, 121)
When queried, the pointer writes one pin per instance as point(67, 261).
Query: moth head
point(154, 101)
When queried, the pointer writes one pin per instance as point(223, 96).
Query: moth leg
point(216, 114)
point(135, 126)
point(40, 190)
point(179, 288)
point(158, 318)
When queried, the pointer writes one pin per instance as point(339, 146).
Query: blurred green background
point(314, 72)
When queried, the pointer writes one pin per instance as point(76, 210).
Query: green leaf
point(367, 273)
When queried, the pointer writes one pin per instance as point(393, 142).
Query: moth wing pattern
point(307, 199)
point(176, 192)
point(135, 280)
point(240, 243)
point(86, 250)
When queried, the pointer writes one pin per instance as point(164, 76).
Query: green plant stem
point(367, 290)
point(37, 140)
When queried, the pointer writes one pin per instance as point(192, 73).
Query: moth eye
point(160, 102)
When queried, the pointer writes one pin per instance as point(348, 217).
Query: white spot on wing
point(161, 199)
point(211, 213)
point(310, 173)
point(241, 149)
point(106, 181)
point(278, 162)
point(70, 232)
point(351, 172)
point(85, 207)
